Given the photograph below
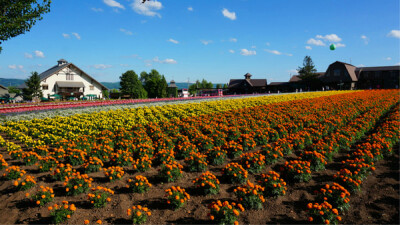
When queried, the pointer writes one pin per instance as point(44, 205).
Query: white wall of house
point(91, 86)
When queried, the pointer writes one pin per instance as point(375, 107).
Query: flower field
point(301, 158)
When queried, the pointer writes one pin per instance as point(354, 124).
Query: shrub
point(142, 164)
point(207, 183)
point(113, 173)
point(297, 170)
point(176, 197)
point(77, 184)
point(196, 162)
point(225, 213)
point(61, 213)
point(99, 196)
point(273, 185)
point(138, 214)
point(250, 195)
point(336, 195)
point(235, 173)
point(30, 158)
point(93, 164)
point(43, 196)
point(216, 156)
point(26, 184)
point(272, 153)
point(47, 164)
point(139, 184)
point(253, 162)
point(62, 172)
point(13, 173)
point(170, 171)
point(323, 213)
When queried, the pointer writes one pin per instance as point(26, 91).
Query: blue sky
point(212, 39)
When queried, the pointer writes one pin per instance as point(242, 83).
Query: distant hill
point(6, 82)
point(110, 85)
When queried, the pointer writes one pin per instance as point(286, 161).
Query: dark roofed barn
point(247, 85)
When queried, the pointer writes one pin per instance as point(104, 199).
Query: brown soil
point(377, 203)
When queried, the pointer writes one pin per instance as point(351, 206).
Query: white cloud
point(329, 37)
point(77, 36)
point(340, 45)
point(397, 64)
point(39, 54)
point(14, 67)
point(190, 8)
point(148, 8)
point(313, 41)
point(165, 61)
point(148, 64)
point(231, 51)
point(173, 41)
point(28, 56)
point(267, 44)
point(232, 39)
point(229, 15)
point(365, 38)
point(113, 3)
point(204, 42)
point(394, 33)
point(66, 35)
point(246, 52)
point(127, 32)
point(253, 46)
point(101, 66)
point(124, 65)
point(97, 9)
point(275, 52)
point(388, 58)
point(308, 47)
point(293, 71)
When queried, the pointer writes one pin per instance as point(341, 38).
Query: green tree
point(18, 17)
point(219, 86)
point(154, 83)
point(13, 89)
point(196, 87)
point(106, 94)
point(225, 86)
point(131, 85)
point(307, 71)
point(32, 87)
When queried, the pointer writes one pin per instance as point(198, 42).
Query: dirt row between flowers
point(377, 203)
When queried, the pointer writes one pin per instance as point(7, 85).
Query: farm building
point(247, 85)
point(344, 76)
point(69, 81)
point(3, 90)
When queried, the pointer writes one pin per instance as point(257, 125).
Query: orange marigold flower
point(99, 222)
point(86, 222)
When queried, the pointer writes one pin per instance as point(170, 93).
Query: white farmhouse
point(68, 80)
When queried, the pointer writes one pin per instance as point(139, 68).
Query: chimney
point(247, 76)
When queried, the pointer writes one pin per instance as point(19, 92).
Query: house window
point(70, 76)
point(91, 87)
point(45, 87)
point(336, 72)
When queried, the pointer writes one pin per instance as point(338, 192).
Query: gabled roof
point(58, 68)
point(258, 82)
point(295, 78)
point(234, 83)
point(352, 71)
point(52, 71)
point(378, 68)
point(1, 86)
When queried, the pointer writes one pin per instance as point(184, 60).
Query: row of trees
point(149, 85)
point(194, 88)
